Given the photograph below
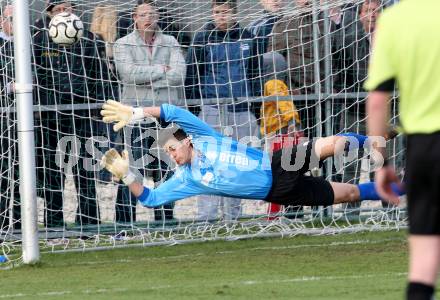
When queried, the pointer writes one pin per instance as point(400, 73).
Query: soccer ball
point(65, 29)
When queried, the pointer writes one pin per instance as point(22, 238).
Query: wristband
point(128, 178)
point(138, 114)
point(144, 196)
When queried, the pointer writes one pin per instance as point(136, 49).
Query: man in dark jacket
point(293, 36)
point(262, 27)
point(53, 7)
point(222, 60)
point(67, 76)
point(357, 30)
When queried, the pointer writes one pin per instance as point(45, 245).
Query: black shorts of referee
point(289, 184)
point(422, 178)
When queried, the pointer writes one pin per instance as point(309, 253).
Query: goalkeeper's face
point(180, 151)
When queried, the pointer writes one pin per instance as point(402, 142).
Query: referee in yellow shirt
point(406, 52)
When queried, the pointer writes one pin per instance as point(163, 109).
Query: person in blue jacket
point(210, 163)
point(223, 62)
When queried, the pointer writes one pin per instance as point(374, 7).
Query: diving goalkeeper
point(210, 163)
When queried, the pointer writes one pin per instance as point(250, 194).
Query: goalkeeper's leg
point(291, 189)
point(345, 192)
point(336, 144)
point(329, 146)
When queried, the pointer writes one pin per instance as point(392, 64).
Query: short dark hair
point(167, 133)
point(52, 3)
point(231, 3)
point(180, 134)
point(152, 3)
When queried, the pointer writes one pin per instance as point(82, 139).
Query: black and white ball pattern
point(65, 29)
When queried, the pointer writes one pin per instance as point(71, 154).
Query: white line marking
point(332, 244)
point(217, 284)
point(322, 278)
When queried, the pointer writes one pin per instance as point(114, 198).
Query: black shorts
point(422, 178)
point(289, 184)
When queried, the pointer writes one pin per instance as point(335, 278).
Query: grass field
point(349, 266)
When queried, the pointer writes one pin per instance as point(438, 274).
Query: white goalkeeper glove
point(118, 165)
point(114, 111)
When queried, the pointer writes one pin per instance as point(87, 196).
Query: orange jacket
point(277, 114)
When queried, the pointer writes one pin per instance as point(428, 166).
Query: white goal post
point(25, 134)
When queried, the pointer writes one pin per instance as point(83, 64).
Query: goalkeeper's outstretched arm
point(116, 112)
point(118, 165)
point(175, 188)
point(122, 115)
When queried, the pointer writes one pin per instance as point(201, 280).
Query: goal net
point(271, 78)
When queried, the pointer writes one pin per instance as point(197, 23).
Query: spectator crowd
point(147, 58)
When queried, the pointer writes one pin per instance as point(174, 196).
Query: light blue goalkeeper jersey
point(222, 166)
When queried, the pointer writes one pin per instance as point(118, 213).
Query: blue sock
point(359, 137)
point(368, 191)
